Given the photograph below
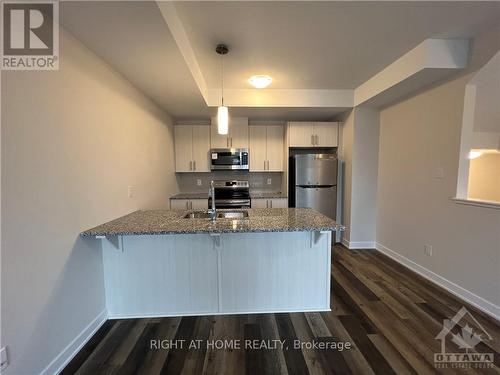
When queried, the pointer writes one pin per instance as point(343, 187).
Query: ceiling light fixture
point(260, 81)
point(474, 154)
point(222, 111)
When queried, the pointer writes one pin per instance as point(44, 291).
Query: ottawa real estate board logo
point(463, 341)
point(30, 35)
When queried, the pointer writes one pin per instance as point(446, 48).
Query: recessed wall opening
point(479, 167)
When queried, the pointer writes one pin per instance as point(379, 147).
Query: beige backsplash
point(258, 180)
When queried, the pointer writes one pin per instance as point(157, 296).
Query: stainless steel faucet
point(213, 210)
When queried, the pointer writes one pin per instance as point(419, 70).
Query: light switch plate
point(439, 172)
point(269, 182)
point(198, 182)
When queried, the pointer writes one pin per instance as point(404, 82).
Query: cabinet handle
point(231, 141)
point(317, 140)
point(227, 142)
point(187, 205)
point(194, 165)
point(191, 205)
point(271, 203)
point(190, 165)
point(264, 165)
point(312, 139)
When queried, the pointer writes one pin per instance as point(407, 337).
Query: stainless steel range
point(231, 194)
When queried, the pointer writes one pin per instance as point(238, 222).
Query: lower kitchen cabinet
point(269, 202)
point(218, 273)
point(189, 204)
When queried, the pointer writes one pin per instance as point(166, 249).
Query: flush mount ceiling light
point(474, 154)
point(222, 111)
point(260, 81)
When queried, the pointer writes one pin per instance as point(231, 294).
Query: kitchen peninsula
point(174, 263)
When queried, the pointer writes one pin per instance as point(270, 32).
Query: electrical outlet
point(428, 250)
point(269, 182)
point(4, 360)
point(198, 182)
point(130, 191)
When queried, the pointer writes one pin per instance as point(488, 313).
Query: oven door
point(231, 203)
point(223, 159)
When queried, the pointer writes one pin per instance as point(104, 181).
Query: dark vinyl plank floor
point(389, 314)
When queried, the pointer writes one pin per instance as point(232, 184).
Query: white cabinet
point(326, 134)
point(189, 204)
point(237, 136)
point(266, 148)
point(290, 275)
point(269, 202)
point(301, 134)
point(313, 134)
point(161, 275)
point(192, 146)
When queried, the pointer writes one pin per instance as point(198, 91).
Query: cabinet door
point(291, 275)
point(217, 140)
point(326, 134)
point(275, 148)
point(259, 203)
point(161, 275)
point(179, 204)
point(199, 204)
point(238, 133)
point(257, 149)
point(183, 139)
point(301, 134)
point(278, 203)
point(201, 148)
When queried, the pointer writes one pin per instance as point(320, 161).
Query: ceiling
point(133, 38)
point(302, 45)
point(319, 45)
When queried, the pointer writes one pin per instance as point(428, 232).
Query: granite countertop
point(267, 194)
point(259, 220)
point(253, 194)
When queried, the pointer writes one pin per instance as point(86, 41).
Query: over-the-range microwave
point(229, 159)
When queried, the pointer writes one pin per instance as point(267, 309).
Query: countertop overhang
point(160, 222)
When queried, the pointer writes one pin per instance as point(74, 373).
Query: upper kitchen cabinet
point(192, 146)
point(266, 148)
point(313, 134)
point(237, 136)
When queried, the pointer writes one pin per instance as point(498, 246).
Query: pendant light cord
point(222, 91)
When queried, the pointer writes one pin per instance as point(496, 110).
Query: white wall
point(359, 153)
point(73, 140)
point(417, 136)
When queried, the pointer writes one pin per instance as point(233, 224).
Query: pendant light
point(222, 111)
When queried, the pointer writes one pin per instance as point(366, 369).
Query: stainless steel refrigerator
point(314, 182)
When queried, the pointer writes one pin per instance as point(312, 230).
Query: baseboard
point(67, 354)
point(462, 293)
point(358, 245)
point(246, 312)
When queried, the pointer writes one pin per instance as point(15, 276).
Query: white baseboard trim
point(67, 354)
point(462, 293)
point(246, 312)
point(358, 245)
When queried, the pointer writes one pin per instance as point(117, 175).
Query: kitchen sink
point(232, 214)
point(220, 215)
point(197, 215)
